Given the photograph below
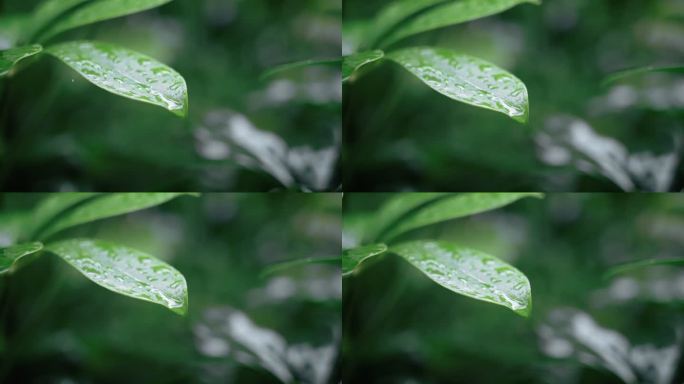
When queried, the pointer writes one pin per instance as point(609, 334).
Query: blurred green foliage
point(399, 327)
point(60, 133)
point(581, 136)
point(56, 327)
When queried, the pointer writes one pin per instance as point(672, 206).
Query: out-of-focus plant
point(458, 76)
point(462, 270)
point(115, 69)
point(113, 266)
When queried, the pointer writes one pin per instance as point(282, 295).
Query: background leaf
point(11, 255)
point(397, 207)
point(352, 63)
point(46, 12)
point(298, 64)
point(470, 273)
point(453, 207)
point(396, 12)
point(10, 57)
point(99, 10)
point(628, 267)
point(467, 79)
point(103, 206)
point(640, 71)
point(50, 207)
point(455, 12)
point(285, 265)
point(126, 271)
point(351, 258)
point(126, 73)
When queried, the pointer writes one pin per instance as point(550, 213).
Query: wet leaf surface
point(11, 255)
point(352, 63)
point(126, 73)
point(106, 205)
point(455, 12)
point(126, 271)
point(467, 79)
point(99, 10)
point(351, 258)
point(453, 207)
point(470, 273)
point(10, 57)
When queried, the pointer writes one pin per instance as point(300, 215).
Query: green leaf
point(296, 65)
point(470, 273)
point(395, 13)
point(10, 57)
point(352, 63)
point(454, 207)
point(10, 256)
point(99, 10)
point(628, 267)
point(398, 207)
point(467, 79)
point(126, 73)
point(104, 206)
point(279, 267)
point(48, 209)
point(352, 258)
point(126, 271)
point(48, 11)
point(454, 12)
point(640, 71)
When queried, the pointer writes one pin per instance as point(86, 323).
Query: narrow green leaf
point(104, 206)
point(126, 73)
point(296, 65)
point(467, 79)
point(628, 267)
point(451, 13)
point(48, 209)
point(10, 57)
point(126, 271)
point(453, 207)
point(352, 258)
point(470, 273)
point(352, 63)
point(640, 71)
point(397, 207)
point(10, 256)
point(99, 10)
point(47, 12)
point(396, 12)
point(279, 267)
